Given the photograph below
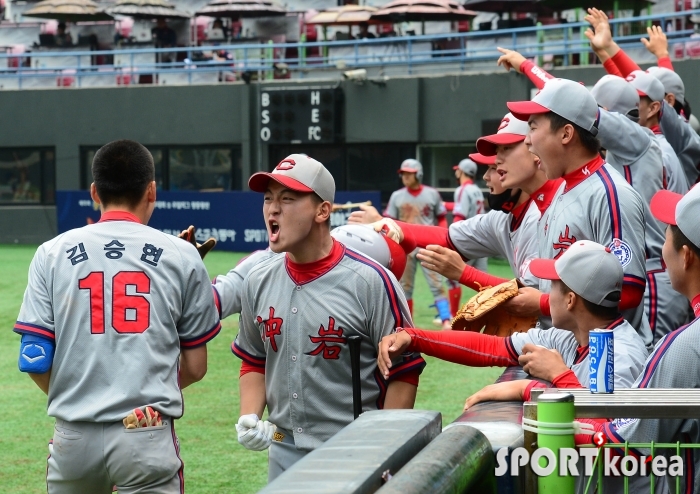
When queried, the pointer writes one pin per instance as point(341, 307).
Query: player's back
point(121, 299)
point(423, 206)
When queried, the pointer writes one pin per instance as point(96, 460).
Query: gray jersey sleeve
point(228, 289)
point(555, 339)
point(392, 208)
point(485, 235)
point(683, 139)
point(36, 315)
point(623, 137)
point(199, 320)
point(249, 345)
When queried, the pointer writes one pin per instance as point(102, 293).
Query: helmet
point(375, 245)
point(412, 166)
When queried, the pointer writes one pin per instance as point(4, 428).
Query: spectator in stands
point(163, 35)
point(364, 32)
point(217, 26)
point(62, 36)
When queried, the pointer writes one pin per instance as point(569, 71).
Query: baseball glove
point(204, 248)
point(142, 417)
point(478, 313)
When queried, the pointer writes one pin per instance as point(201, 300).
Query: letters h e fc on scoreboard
point(296, 116)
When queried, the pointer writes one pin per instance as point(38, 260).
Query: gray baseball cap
point(646, 85)
point(568, 99)
point(511, 131)
point(300, 173)
point(591, 270)
point(411, 166)
point(672, 82)
point(615, 94)
point(467, 166)
point(682, 211)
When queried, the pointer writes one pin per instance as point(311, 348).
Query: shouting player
point(116, 317)
point(299, 310)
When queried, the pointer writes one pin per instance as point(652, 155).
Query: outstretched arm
point(605, 48)
point(657, 44)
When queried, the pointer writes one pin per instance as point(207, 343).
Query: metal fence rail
point(196, 65)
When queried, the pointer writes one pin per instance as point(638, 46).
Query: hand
point(254, 434)
point(367, 214)
point(600, 35)
point(526, 303)
point(542, 362)
point(505, 391)
point(390, 228)
point(510, 59)
point(657, 43)
point(389, 348)
point(445, 261)
point(203, 249)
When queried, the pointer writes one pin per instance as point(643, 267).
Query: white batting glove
point(390, 228)
point(254, 434)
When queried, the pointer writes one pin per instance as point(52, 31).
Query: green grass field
point(214, 461)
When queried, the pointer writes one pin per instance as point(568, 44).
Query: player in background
point(518, 188)
point(594, 204)
point(419, 204)
point(468, 202)
point(633, 150)
point(682, 138)
point(298, 310)
point(116, 316)
point(584, 298)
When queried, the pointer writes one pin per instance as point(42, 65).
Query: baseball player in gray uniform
point(115, 317)
point(468, 202)
point(595, 202)
point(419, 204)
point(588, 282)
point(298, 311)
point(674, 362)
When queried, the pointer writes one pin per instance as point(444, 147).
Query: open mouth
point(274, 229)
point(502, 174)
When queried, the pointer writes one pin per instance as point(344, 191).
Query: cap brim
point(663, 206)
point(641, 93)
point(258, 182)
point(407, 170)
point(544, 269)
point(487, 145)
point(523, 109)
point(456, 167)
point(480, 159)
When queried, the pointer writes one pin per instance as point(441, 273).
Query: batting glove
point(254, 434)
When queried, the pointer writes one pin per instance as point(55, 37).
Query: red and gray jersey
point(633, 151)
point(120, 299)
point(422, 206)
point(630, 352)
point(674, 363)
point(468, 200)
point(499, 234)
point(228, 288)
point(597, 204)
point(296, 329)
point(675, 176)
point(684, 141)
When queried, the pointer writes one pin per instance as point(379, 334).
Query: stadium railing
point(395, 55)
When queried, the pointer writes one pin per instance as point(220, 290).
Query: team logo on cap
point(622, 251)
point(286, 164)
point(504, 123)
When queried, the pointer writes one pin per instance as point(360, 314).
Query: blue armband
point(35, 354)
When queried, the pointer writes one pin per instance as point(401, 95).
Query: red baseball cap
point(510, 131)
point(480, 159)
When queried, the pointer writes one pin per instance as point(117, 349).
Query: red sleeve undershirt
point(442, 221)
point(424, 235)
point(463, 347)
point(477, 280)
point(449, 206)
point(624, 63)
point(410, 377)
point(665, 62)
point(537, 75)
point(611, 68)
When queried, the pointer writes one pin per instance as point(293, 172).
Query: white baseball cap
point(591, 270)
point(510, 131)
point(467, 166)
point(615, 94)
point(568, 99)
point(646, 85)
point(682, 211)
point(672, 82)
point(375, 245)
point(300, 173)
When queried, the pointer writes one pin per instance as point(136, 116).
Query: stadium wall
point(448, 109)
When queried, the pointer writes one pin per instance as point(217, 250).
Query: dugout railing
point(401, 55)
